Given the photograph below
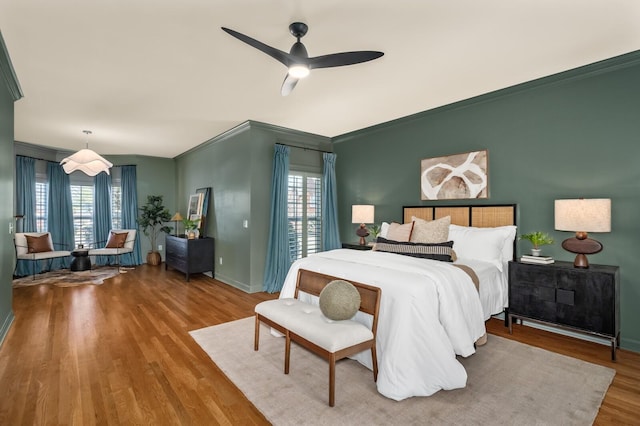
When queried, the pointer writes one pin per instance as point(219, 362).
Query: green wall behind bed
point(575, 134)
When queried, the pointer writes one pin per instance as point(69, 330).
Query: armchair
point(120, 241)
point(37, 246)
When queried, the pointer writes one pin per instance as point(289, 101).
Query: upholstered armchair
point(37, 246)
point(121, 241)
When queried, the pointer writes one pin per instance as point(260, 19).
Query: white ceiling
point(158, 77)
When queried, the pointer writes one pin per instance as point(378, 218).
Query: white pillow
point(494, 245)
point(384, 228)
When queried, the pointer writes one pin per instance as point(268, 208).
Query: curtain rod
point(57, 162)
point(304, 147)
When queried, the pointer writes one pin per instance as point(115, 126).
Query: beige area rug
point(508, 383)
point(68, 278)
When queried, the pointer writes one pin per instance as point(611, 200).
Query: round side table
point(81, 260)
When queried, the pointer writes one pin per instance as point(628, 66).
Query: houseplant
point(538, 239)
point(189, 227)
point(152, 215)
point(374, 231)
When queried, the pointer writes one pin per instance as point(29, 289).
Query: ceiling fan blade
point(345, 58)
point(288, 84)
point(276, 54)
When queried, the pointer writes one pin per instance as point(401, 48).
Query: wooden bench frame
point(312, 283)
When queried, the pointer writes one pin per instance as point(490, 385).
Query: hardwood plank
point(121, 353)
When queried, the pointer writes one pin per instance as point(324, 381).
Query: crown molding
point(587, 71)
point(8, 73)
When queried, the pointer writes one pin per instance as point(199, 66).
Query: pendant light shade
point(87, 161)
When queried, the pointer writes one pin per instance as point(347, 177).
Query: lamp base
point(362, 232)
point(582, 247)
point(581, 261)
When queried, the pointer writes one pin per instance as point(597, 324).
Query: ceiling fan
point(298, 61)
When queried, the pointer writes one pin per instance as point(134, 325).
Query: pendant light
point(86, 161)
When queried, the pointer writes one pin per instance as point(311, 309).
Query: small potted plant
point(374, 231)
point(190, 227)
point(538, 239)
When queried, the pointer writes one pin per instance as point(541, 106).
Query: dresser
point(581, 300)
point(190, 256)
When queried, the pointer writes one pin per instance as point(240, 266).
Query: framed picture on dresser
point(206, 194)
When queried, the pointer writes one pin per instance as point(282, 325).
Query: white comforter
point(429, 312)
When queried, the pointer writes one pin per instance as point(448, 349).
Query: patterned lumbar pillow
point(435, 251)
point(339, 300)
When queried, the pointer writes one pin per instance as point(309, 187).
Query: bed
point(431, 311)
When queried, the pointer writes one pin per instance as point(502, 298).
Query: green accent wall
point(571, 135)
point(237, 165)
point(9, 93)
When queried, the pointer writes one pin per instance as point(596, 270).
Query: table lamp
point(175, 219)
point(362, 214)
point(582, 216)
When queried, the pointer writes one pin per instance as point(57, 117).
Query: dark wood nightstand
point(356, 246)
point(582, 300)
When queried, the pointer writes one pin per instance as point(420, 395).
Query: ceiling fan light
point(299, 71)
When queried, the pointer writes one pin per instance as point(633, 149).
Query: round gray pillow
point(339, 300)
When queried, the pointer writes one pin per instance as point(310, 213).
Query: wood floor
point(120, 353)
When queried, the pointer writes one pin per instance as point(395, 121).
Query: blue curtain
point(130, 212)
point(25, 204)
point(278, 260)
point(60, 213)
point(101, 214)
point(330, 230)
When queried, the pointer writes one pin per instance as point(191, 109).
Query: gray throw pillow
point(339, 300)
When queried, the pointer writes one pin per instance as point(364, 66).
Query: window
point(304, 215)
point(82, 206)
point(116, 199)
point(82, 198)
point(42, 201)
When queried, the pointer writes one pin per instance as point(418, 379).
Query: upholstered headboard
point(465, 215)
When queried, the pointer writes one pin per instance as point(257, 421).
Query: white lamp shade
point(362, 213)
point(583, 215)
point(86, 161)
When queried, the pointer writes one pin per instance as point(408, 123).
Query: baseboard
point(6, 326)
point(233, 283)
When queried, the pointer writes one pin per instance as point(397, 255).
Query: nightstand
point(581, 300)
point(356, 246)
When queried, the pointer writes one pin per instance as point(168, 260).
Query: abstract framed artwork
point(454, 177)
point(195, 205)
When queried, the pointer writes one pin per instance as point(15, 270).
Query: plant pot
point(191, 235)
point(154, 258)
point(535, 252)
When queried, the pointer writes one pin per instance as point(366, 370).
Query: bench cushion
point(307, 321)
